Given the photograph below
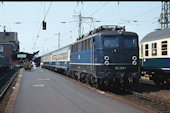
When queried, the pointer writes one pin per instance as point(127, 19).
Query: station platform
point(43, 91)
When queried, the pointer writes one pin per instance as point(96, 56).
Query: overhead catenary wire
point(38, 30)
point(47, 11)
point(89, 24)
point(37, 38)
point(144, 13)
point(6, 17)
point(41, 25)
point(99, 8)
point(94, 8)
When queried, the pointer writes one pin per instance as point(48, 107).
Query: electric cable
point(41, 26)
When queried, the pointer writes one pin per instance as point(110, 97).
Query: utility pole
point(80, 20)
point(80, 23)
point(164, 19)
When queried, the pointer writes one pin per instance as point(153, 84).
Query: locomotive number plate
point(120, 68)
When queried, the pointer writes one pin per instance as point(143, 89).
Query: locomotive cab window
point(1, 48)
point(130, 42)
point(164, 47)
point(110, 41)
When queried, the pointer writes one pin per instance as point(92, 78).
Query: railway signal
point(44, 25)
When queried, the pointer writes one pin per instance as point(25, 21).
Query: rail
point(7, 80)
point(149, 102)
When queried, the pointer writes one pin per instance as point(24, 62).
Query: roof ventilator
point(104, 28)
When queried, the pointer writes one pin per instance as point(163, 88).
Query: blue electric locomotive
point(106, 56)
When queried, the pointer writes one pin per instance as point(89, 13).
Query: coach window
point(146, 50)
point(1, 48)
point(164, 47)
point(154, 49)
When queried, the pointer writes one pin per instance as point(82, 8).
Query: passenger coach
point(155, 56)
point(57, 60)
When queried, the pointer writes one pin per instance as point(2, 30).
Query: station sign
point(21, 55)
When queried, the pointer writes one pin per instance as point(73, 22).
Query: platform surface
point(43, 91)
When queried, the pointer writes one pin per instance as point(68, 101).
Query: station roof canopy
point(24, 55)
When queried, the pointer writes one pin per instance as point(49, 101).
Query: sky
point(62, 20)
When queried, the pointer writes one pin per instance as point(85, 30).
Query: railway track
point(155, 104)
point(6, 79)
point(7, 82)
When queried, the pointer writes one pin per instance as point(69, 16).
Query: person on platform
point(34, 65)
point(41, 65)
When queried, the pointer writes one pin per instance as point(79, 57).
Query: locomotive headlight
point(134, 62)
point(134, 58)
point(106, 63)
point(106, 57)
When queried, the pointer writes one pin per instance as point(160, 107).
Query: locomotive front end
point(118, 53)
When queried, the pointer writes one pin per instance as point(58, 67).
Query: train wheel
point(67, 73)
point(72, 75)
point(94, 82)
point(82, 77)
point(156, 82)
point(87, 78)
